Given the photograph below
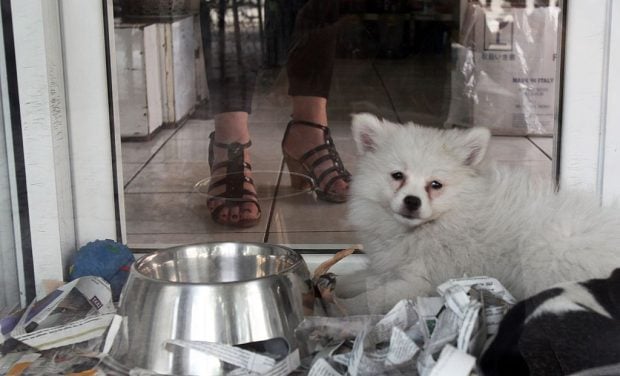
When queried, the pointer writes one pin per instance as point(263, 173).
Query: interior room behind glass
point(437, 63)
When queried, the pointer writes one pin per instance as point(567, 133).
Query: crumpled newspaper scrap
point(61, 319)
point(431, 336)
point(60, 333)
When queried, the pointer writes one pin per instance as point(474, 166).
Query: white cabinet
point(138, 63)
point(180, 69)
point(157, 79)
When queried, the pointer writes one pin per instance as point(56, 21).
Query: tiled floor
point(164, 208)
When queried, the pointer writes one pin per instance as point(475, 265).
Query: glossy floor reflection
point(163, 208)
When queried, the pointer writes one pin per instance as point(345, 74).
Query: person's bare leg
point(300, 139)
point(231, 127)
point(312, 109)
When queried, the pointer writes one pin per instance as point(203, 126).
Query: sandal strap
point(332, 154)
point(301, 122)
point(333, 180)
point(254, 197)
point(344, 175)
point(227, 163)
point(313, 151)
point(235, 149)
point(234, 179)
point(327, 172)
point(224, 181)
point(229, 145)
point(326, 157)
point(305, 122)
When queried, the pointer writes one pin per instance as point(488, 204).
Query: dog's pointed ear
point(474, 145)
point(368, 130)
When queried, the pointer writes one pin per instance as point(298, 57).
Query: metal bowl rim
point(296, 264)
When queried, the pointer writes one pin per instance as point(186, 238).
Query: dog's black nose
point(412, 203)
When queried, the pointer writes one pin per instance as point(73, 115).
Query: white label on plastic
point(402, 348)
point(453, 362)
point(322, 368)
point(230, 354)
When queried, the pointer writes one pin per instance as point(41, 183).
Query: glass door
point(244, 69)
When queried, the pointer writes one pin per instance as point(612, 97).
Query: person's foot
point(233, 199)
point(302, 138)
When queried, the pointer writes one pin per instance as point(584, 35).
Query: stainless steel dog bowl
point(232, 293)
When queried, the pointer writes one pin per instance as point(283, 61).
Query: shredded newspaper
point(428, 336)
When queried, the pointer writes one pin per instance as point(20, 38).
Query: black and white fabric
point(569, 329)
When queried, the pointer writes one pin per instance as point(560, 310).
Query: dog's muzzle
point(410, 207)
point(412, 203)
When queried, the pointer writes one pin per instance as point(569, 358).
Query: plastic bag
point(505, 74)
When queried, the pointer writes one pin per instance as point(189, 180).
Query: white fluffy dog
point(429, 207)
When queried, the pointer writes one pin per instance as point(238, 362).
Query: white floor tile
point(163, 211)
point(315, 240)
point(545, 143)
point(159, 241)
point(514, 149)
point(141, 151)
point(130, 170)
point(543, 169)
point(176, 213)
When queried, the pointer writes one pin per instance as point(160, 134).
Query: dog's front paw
point(324, 285)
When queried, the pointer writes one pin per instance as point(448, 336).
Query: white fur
point(575, 297)
point(485, 220)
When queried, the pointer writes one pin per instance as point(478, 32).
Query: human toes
point(339, 186)
point(234, 215)
point(249, 211)
point(223, 215)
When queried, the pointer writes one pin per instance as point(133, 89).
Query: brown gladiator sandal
point(234, 180)
point(326, 151)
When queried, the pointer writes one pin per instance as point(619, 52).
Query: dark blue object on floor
point(106, 259)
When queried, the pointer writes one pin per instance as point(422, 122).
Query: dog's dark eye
point(397, 175)
point(436, 185)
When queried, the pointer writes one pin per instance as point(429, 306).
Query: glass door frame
point(86, 182)
point(587, 148)
point(63, 88)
